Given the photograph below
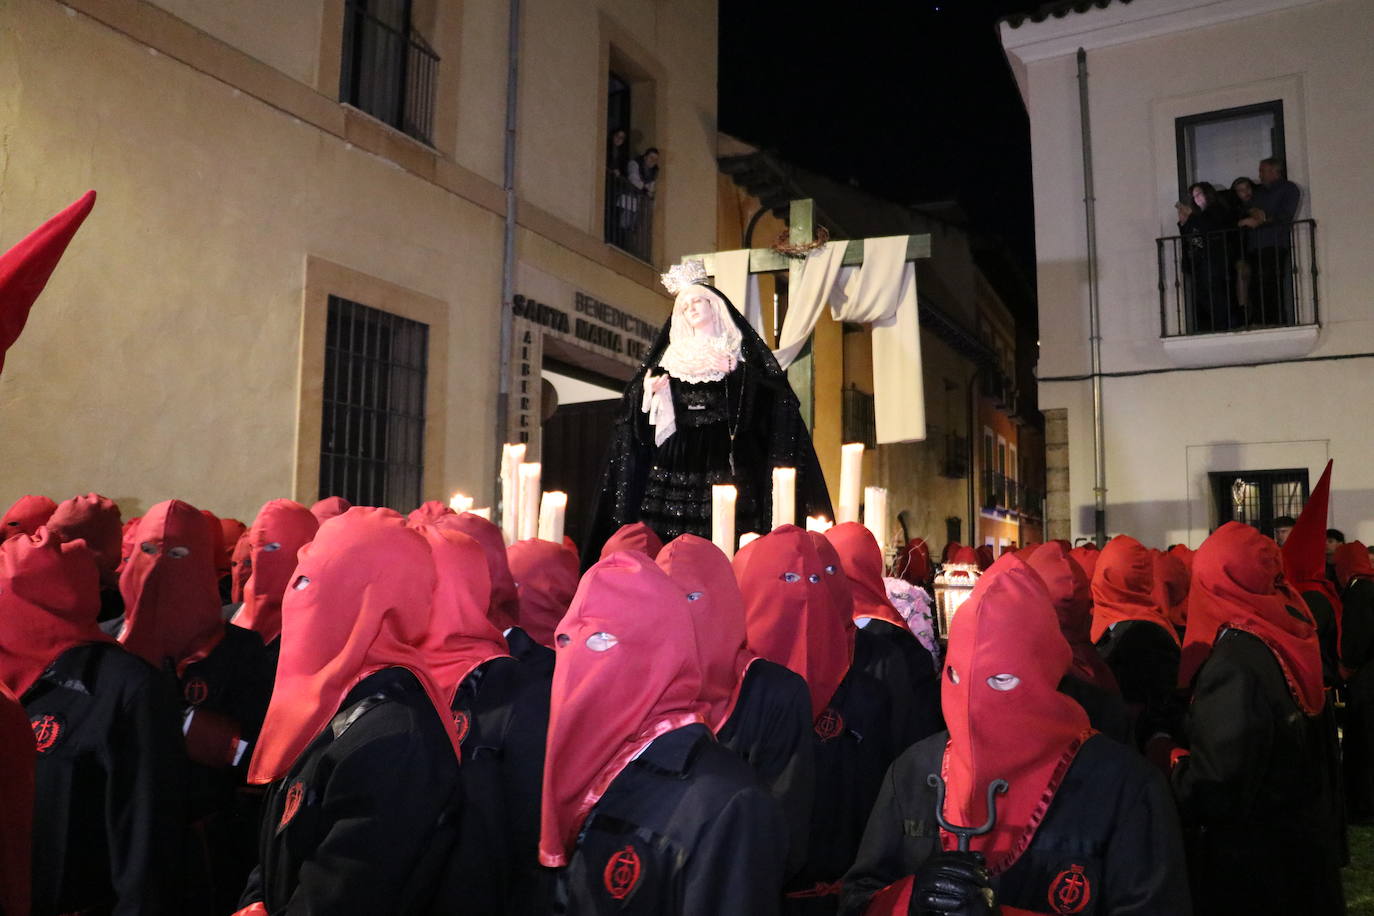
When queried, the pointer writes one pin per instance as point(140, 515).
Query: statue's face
point(698, 312)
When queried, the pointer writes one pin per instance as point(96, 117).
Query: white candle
point(784, 496)
point(875, 514)
point(851, 474)
point(818, 523)
point(748, 537)
point(528, 527)
point(552, 508)
point(723, 517)
point(460, 503)
point(484, 512)
point(511, 456)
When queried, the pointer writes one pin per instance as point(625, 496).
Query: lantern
point(952, 587)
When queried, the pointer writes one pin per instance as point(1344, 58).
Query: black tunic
point(1145, 661)
point(110, 785)
point(853, 749)
point(919, 706)
point(770, 728)
point(1255, 793)
point(1105, 708)
point(524, 649)
point(684, 830)
point(365, 819)
point(1111, 820)
point(502, 713)
point(1325, 616)
point(1357, 655)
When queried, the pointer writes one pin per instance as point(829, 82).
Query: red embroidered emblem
point(294, 794)
point(195, 691)
point(1070, 891)
point(622, 873)
point(46, 732)
point(461, 723)
point(829, 725)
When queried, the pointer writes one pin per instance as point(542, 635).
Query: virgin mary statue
point(710, 405)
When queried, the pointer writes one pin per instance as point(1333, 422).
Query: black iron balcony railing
point(629, 217)
point(388, 72)
point(1238, 279)
point(994, 490)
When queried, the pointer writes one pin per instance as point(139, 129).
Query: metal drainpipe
point(508, 253)
point(1094, 315)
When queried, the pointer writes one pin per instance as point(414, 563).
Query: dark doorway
point(574, 457)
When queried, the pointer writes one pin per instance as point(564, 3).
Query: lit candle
point(512, 455)
point(818, 523)
point(460, 503)
point(875, 514)
point(784, 496)
point(552, 508)
point(851, 474)
point(748, 537)
point(530, 494)
point(723, 517)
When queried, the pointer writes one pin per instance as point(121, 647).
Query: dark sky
point(910, 99)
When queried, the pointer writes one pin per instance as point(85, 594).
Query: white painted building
point(1179, 91)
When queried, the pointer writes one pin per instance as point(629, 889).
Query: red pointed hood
point(913, 562)
point(18, 757)
point(1172, 579)
point(49, 602)
point(25, 268)
point(1027, 734)
point(965, 556)
point(704, 572)
point(504, 609)
point(27, 515)
point(1238, 583)
point(94, 519)
point(1352, 562)
point(1072, 598)
point(460, 635)
point(1123, 587)
point(241, 567)
point(634, 536)
point(1304, 553)
point(171, 596)
point(360, 601)
point(329, 507)
point(947, 555)
point(546, 577)
point(985, 556)
point(793, 615)
point(430, 512)
point(281, 529)
point(862, 561)
point(1086, 557)
point(621, 678)
point(230, 530)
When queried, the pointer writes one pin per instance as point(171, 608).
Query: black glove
point(952, 884)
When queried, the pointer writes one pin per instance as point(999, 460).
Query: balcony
point(1240, 280)
point(629, 217)
point(994, 490)
point(389, 72)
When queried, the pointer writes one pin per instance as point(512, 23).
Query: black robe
point(525, 650)
point(916, 710)
point(1357, 655)
point(683, 830)
point(759, 417)
point(1255, 794)
point(1105, 708)
point(1325, 616)
point(770, 728)
point(1112, 818)
point(502, 713)
point(368, 814)
point(1145, 661)
point(853, 748)
point(110, 790)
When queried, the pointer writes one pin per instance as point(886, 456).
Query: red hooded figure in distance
point(639, 800)
point(26, 516)
point(913, 563)
point(280, 530)
point(359, 744)
point(1171, 579)
point(545, 577)
point(1304, 566)
point(1067, 789)
point(94, 519)
point(329, 507)
point(634, 536)
point(109, 780)
point(1259, 778)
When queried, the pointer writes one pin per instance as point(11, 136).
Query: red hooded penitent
point(1238, 584)
point(460, 636)
point(360, 601)
point(1304, 553)
point(281, 529)
point(634, 536)
point(1171, 578)
point(1006, 716)
point(1123, 587)
point(717, 616)
point(913, 562)
point(1073, 604)
point(429, 512)
point(95, 520)
point(545, 576)
point(171, 596)
point(504, 609)
point(622, 677)
point(230, 530)
point(1352, 562)
point(1086, 556)
point(27, 515)
point(329, 507)
point(862, 561)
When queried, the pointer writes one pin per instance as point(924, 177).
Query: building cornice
point(1122, 23)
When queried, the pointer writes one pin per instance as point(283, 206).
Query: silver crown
point(680, 276)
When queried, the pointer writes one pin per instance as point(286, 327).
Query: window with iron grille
point(1256, 498)
point(373, 431)
point(387, 69)
point(858, 420)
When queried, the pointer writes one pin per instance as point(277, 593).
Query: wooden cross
point(801, 230)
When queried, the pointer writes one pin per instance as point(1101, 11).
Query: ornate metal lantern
point(952, 587)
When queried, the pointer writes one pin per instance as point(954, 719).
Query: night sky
point(915, 103)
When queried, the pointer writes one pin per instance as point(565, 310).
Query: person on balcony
point(1275, 204)
point(1206, 259)
point(643, 171)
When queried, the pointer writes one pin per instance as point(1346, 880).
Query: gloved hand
point(953, 884)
